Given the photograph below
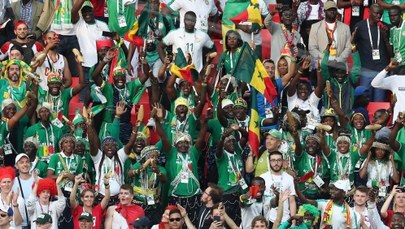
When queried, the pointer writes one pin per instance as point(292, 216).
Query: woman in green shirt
point(147, 182)
point(228, 58)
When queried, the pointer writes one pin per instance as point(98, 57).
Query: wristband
point(300, 72)
point(241, 199)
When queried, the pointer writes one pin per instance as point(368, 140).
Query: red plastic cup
point(254, 189)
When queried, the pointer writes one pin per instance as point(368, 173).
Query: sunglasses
point(3, 215)
point(175, 219)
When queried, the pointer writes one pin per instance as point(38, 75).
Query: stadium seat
point(374, 106)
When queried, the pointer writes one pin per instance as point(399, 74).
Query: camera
point(402, 188)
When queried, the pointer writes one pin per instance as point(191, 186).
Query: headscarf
point(148, 150)
point(66, 137)
point(5, 65)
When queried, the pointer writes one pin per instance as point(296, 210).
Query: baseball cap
point(343, 185)
point(329, 5)
point(141, 222)
point(43, 218)
point(180, 101)
point(275, 133)
point(19, 156)
point(86, 216)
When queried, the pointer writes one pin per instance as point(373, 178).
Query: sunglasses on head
point(175, 219)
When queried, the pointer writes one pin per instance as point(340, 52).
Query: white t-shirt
point(314, 12)
point(338, 215)
point(192, 43)
point(310, 104)
point(48, 66)
point(257, 208)
point(87, 34)
point(357, 217)
point(202, 8)
point(109, 165)
point(283, 181)
point(55, 209)
point(379, 172)
point(26, 189)
point(118, 221)
point(394, 83)
point(21, 205)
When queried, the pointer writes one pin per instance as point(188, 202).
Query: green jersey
point(230, 167)
point(147, 185)
point(182, 171)
point(307, 164)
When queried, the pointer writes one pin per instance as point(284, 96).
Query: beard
point(276, 168)
point(14, 77)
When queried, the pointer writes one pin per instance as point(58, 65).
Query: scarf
point(327, 215)
point(130, 213)
point(63, 15)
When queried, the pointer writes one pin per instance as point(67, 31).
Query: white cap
point(19, 156)
point(342, 185)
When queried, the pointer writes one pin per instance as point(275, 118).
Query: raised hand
point(79, 179)
point(110, 55)
point(306, 63)
point(120, 108)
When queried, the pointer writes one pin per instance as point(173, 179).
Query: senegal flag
point(254, 124)
point(250, 69)
point(139, 29)
point(251, 14)
point(182, 69)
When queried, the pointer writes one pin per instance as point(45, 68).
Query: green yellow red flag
point(251, 14)
point(254, 124)
point(182, 69)
point(251, 70)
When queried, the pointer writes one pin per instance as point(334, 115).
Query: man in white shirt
point(360, 211)
point(88, 31)
point(203, 9)
point(394, 83)
point(281, 181)
point(335, 212)
point(189, 39)
point(23, 183)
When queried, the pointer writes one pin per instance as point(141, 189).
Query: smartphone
point(402, 188)
point(107, 34)
point(217, 218)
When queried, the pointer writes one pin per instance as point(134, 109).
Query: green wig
point(311, 209)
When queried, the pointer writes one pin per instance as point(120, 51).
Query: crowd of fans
point(186, 158)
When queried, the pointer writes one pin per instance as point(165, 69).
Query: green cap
point(78, 118)
point(86, 216)
point(241, 102)
point(43, 218)
point(275, 133)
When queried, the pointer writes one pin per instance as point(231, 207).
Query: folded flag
point(254, 125)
